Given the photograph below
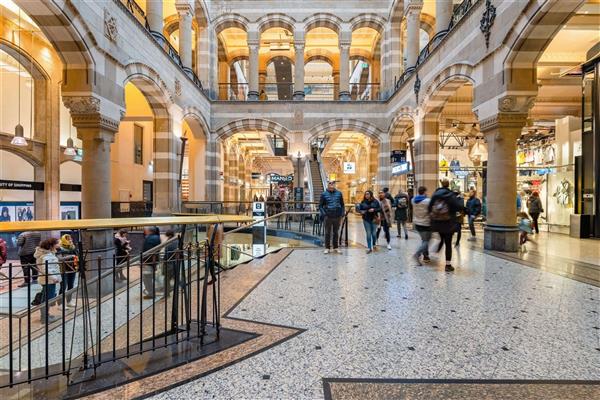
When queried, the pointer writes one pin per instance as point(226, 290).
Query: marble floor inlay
point(380, 316)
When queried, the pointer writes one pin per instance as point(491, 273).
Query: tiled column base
point(501, 238)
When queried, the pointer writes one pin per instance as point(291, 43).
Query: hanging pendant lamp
point(19, 138)
point(70, 150)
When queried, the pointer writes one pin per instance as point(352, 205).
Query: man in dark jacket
point(473, 211)
point(150, 260)
point(443, 207)
point(331, 208)
point(27, 242)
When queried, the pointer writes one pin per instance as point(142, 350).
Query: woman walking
point(369, 209)
point(49, 274)
point(385, 217)
point(402, 202)
point(534, 205)
point(122, 251)
point(422, 223)
point(68, 266)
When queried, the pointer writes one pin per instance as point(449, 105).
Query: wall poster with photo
point(70, 210)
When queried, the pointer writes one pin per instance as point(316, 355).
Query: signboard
point(410, 181)
point(256, 175)
point(349, 168)
point(259, 230)
point(21, 185)
point(398, 156)
point(401, 169)
point(276, 178)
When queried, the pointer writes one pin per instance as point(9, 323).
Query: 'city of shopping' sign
point(401, 169)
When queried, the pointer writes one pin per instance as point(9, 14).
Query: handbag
point(37, 299)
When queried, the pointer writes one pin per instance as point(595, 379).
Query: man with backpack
point(443, 207)
point(402, 202)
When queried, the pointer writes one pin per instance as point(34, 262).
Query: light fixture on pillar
point(19, 138)
point(70, 150)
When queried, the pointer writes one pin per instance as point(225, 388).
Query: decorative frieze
point(110, 27)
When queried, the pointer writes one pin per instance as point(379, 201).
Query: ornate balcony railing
point(458, 14)
point(140, 17)
point(313, 91)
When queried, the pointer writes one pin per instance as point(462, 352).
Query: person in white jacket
point(422, 223)
point(48, 266)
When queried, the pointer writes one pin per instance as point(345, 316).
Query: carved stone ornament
point(417, 87)
point(82, 104)
point(507, 103)
point(516, 104)
point(110, 27)
point(487, 21)
point(177, 87)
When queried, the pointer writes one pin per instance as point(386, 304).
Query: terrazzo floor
point(380, 316)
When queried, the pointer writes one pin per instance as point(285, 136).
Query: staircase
point(317, 180)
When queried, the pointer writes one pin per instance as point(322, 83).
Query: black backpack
point(440, 211)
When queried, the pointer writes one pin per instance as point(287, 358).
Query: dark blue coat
point(331, 204)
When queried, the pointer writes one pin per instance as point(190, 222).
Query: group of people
point(443, 213)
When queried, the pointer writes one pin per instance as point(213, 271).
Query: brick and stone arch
point(532, 32)
point(251, 124)
point(346, 124)
point(428, 24)
point(275, 20)
point(444, 86)
point(165, 145)
point(321, 55)
point(232, 20)
point(323, 20)
point(368, 20)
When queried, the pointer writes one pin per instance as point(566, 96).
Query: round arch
point(428, 24)
point(444, 86)
point(368, 20)
point(323, 20)
point(321, 55)
point(346, 124)
point(151, 85)
point(524, 43)
point(251, 124)
point(275, 20)
point(232, 20)
point(21, 152)
point(196, 122)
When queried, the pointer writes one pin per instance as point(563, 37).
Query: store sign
point(276, 178)
point(349, 168)
point(401, 169)
point(256, 175)
point(21, 185)
point(398, 156)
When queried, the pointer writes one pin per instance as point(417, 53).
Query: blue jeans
point(48, 292)
point(371, 231)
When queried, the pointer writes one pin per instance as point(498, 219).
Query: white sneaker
point(338, 251)
point(72, 303)
point(389, 247)
point(326, 251)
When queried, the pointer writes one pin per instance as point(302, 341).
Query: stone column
point(253, 47)
point(426, 151)
point(413, 23)
point(384, 168)
point(501, 133)
point(443, 15)
point(299, 70)
point(344, 91)
point(213, 168)
point(154, 15)
point(336, 84)
point(186, 13)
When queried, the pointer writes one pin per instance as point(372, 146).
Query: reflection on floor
point(380, 316)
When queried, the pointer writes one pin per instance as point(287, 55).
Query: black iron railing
point(458, 14)
point(120, 307)
point(140, 17)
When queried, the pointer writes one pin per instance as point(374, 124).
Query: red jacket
point(3, 252)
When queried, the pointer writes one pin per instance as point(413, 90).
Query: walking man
point(443, 207)
point(331, 209)
point(473, 211)
point(422, 223)
point(27, 243)
point(402, 203)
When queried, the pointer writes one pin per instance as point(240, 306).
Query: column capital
point(254, 44)
point(299, 45)
point(184, 7)
point(86, 112)
point(506, 122)
point(413, 6)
